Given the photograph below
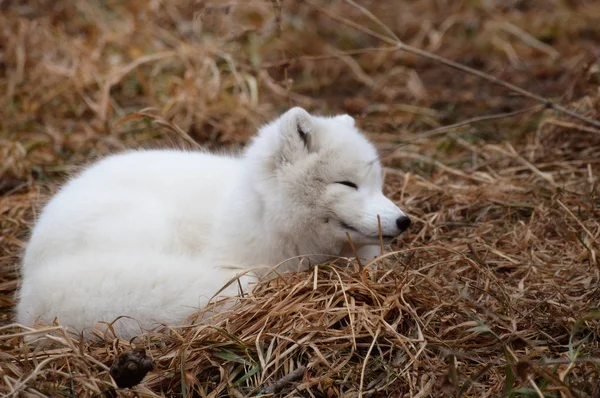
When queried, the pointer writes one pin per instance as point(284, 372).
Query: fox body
point(153, 235)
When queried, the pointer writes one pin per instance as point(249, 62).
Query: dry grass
point(495, 289)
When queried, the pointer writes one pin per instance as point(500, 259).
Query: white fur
point(154, 234)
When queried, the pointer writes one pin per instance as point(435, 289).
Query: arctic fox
point(153, 235)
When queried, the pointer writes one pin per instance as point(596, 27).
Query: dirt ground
point(494, 290)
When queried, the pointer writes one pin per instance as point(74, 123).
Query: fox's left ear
point(296, 132)
point(346, 119)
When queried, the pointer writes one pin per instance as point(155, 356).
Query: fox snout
point(393, 220)
point(403, 222)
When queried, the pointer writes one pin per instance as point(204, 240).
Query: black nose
point(403, 223)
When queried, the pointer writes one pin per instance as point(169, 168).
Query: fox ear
point(296, 130)
point(346, 119)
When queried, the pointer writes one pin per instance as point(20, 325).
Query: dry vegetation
point(494, 290)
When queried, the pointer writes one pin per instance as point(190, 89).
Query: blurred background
point(516, 188)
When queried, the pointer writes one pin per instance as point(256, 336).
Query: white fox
point(153, 235)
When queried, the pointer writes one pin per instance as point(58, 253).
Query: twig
point(294, 60)
point(415, 156)
point(380, 235)
point(515, 155)
point(364, 366)
point(590, 234)
point(373, 18)
point(115, 77)
point(282, 383)
point(159, 120)
point(535, 386)
point(439, 130)
point(354, 251)
point(529, 39)
point(562, 123)
point(548, 103)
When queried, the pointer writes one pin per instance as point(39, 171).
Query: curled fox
point(153, 235)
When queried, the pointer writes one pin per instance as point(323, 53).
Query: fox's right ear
point(347, 119)
point(296, 129)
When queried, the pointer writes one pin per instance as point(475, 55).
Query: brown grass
point(494, 290)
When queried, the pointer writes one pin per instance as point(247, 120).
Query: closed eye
point(348, 184)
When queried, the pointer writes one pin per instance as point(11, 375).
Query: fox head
point(320, 179)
